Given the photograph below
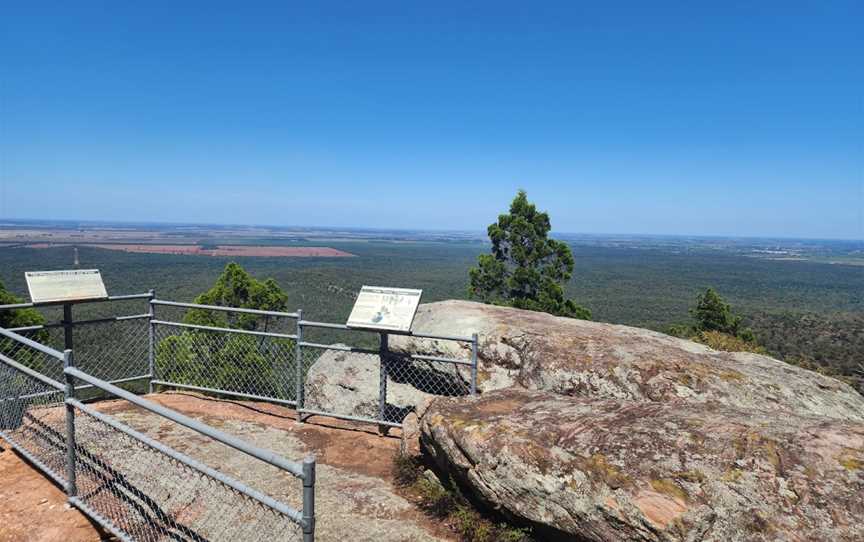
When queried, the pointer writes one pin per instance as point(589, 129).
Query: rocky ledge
point(619, 470)
point(599, 432)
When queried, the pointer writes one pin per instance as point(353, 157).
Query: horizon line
point(480, 232)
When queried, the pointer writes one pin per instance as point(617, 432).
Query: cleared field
point(221, 250)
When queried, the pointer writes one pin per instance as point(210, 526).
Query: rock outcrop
point(347, 383)
point(600, 432)
point(599, 469)
point(597, 360)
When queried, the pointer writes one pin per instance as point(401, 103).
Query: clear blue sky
point(646, 117)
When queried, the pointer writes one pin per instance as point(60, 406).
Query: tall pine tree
point(526, 268)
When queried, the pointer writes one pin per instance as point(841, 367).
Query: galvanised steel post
point(151, 352)
point(474, 364)
point(67, 326)
point(298, 363)
point(69, 393)
point(309, 499)
point(382, 385)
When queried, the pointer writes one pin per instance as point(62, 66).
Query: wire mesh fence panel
point(342, 383)
point(112, 350)
point(32, 358)
point(148, 495)
point(260, 366)
point(32, 419)
point(409, 379)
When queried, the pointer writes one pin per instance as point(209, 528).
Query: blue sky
point(711, 118)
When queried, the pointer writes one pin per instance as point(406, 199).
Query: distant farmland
point(220, 250)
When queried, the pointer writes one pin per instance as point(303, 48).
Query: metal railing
point(119, 476)
point(131, 484)
point(359, 383)
point(255, 355)
point(122, 359)
point(376, 385)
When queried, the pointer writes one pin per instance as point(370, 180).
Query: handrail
point(264, 455)
point(224, 329)
point(82, 322)
point(222, 308)
point(295, 515)
point(76, 302)
point(327, 325)
point(31, 373)
point(31, 343)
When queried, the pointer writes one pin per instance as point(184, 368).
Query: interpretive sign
point(386, 309)
point(59, 286)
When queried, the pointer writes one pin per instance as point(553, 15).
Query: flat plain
point(800, 304)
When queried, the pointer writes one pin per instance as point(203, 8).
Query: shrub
point(449, 505)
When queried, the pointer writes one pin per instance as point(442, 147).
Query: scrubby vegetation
point(16, 318)
point(717, 326)
point(805, 312)
point(448, 505)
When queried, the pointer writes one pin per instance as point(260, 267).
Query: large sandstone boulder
point(344, 382)
point(592, 359)
point(622, 470)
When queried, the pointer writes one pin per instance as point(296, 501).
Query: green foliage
point(236, 288)
point(798, 309)
point(712, 313)
point(20, 318)
point(250, 364)
point(447, 504)
point(717, 326)
point(17, 317)
point(526, 268)
point(727, 343)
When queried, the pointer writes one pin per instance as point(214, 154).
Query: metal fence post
point(309, 499)
point(474, 364)
point(69, 393)
point(298, 362)
point(382, 385)
point(67, 326)
point(151, 353)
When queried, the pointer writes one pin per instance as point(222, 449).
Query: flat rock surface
point(619, 470)
point(355, 496)
point(591, 359)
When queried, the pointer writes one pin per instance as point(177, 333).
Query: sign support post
point(67, 326)
point(382, 385)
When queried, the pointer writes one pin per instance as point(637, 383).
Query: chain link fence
point(377, 385)
point(131, 484)
point(252, 362)
point(31, 406)
point(139, 488)
point(113, 348)
point(148, 492)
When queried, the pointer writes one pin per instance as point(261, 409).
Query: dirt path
point(355, 496)
point(32, 508)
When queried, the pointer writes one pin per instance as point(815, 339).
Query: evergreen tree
point(712, 313)
point(231, 362)
point(236, 288)
point(526, 268)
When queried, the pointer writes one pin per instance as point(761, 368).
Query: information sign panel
point(59, 286)
point(385, 309)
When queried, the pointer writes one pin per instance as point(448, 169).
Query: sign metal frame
point(385, 309)
point(65, 286)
